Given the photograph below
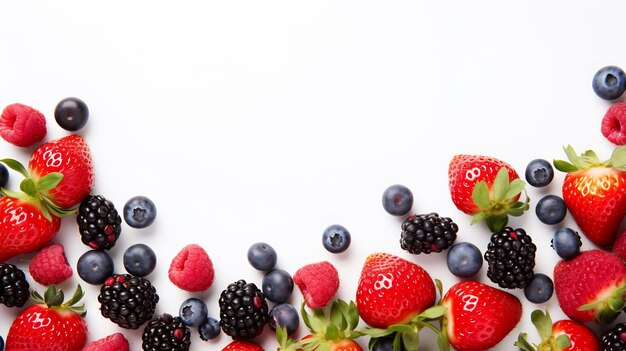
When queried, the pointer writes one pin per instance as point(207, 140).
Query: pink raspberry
point(49, 266)
point(114, 342)
point(318, 283)
point(22, 125)
point(192, 269)
point(614, 124)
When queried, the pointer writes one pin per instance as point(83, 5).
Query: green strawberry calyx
point(589, 159)
point(608, 308)
point(53, 299)
point(543, 323)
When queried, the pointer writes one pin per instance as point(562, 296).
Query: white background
point(252, 121)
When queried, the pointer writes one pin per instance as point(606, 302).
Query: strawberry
point(595, 192)
point(392, 290)
point(619, 246)
point(486, 188)
point(564, 335)
point(591, 286)
point(50, 325)
point(242, 345)
point(478, 316)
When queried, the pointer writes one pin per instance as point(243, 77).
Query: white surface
point(252, 121)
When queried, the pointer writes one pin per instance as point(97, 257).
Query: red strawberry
point(564, 335)
point(192, 269)
point(595, 192)
point(619, 246)
point(242, 345)
point(22, 125)
point(486, 188)
point(478, 316)
point(114, 342)
point(591, 286)
point(392, 290)
point(51, 325)
point(49, 266)
point(614, 124)
point(318, 283)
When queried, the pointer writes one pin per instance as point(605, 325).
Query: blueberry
point(1, 344)
point(609, 82)
point(71, 114)
point(209, 329)
point(139, 260)
point(464, 260)
point(566, 242)
point(385, 343)
point(539, 173)
point(336, 238)
point(139, 212)
point(277, 285)
point(262, 256)
point(284, 315)
point(95, 266)
point(539, 289)
point(551, 209)
point(4, 176)
point(397, 200)
point(193, 312)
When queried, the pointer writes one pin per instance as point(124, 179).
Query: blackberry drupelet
point(127, 300)
point(615, 339)
point(511, 258)
point(98, 222)
point(166, 333)
point(426, 233)
point(243, 310)
point(14, 289)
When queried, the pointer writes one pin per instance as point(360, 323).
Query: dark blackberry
point(14, 289)
point(98, 222)
point(166, 333)
point(426, 233)
point(127, 300)
point(243, 310)
point(511, 258)
point(615, 339)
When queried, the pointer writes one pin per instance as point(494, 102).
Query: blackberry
point(14, 289)
point(615, 339)
point(243, 310)
point(426, 233)
point(98, 222)
point(511, 258)
point(166, 333)
point(127, 300)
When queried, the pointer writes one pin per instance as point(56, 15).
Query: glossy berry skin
point(262, 256)
point(193, 312)
point(71, 114)
point(386, 344)
point(464, 260)
point(209, 329)
point(277, 285)
point(1, 344)
point(566, 242)
point(615, 338)
point(139, 260)
point(284, 315)
point(4, 176)
point(551, 209)
point(539, 173)
point(336, 238)
point(581, 337)
point(609, 82)
point(139, 212)
point(95, 266)
point(539, 289)
point(397, 200)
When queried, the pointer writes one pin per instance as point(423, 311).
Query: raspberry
point(22, 125)
point(318, 283)
point(114, 342)
point(192, 269)
point(49, 266)
point(614, 124)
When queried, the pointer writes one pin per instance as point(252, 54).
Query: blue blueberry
point(139, 260)
point(397, 200)
point(539, 289)
point(193, 312)
point(277, 285)
point(1, 344)
point(551, 209)
point(609, 82)
point(566, 242)
point(139, 212)
point(209, 329)
point(284, 315)
point(336, 238)
point(4, 176)
point(385, 343)
point(464, 260)
point(71, 114)
point(95, 266)
point(262, 256)
point(539, 173)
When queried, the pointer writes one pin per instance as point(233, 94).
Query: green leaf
point(497, 223)
point(376, 332)
point(53, 296)
point(480, 195)
point(516, 187)
point(78, 295)
point(478, 217)
point(28, 187)
point(589, 158)
point(45, 211)
point(410, 340)
point(397, 342)
point(15, 165)
point(564, 166)
point(434, 312)
point(353, 315)
point(516, 212)
point(400, 328)
point(500, 184)
point(618, 158)
point(442, 341)
point(523, 344)
point(332, 332)
point(589, 306)
point(542, 322)
point(15, 194)
point(439, 286)
point(572, 156)
point(336, 317)
point(562, 342)
point(49, 181)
